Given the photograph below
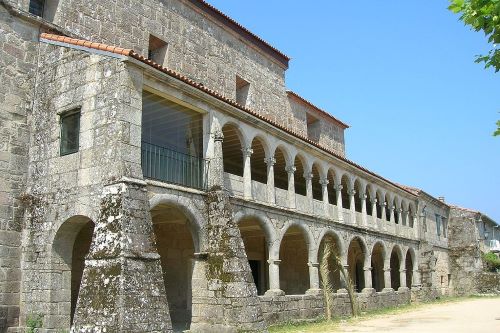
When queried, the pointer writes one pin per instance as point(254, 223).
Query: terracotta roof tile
point(219, 96)
point(320, 111)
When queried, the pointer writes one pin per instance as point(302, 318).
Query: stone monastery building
point(156, 175)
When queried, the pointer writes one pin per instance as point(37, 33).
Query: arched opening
point(256, 250)
point(176, 247)
point(300, 181)
point(395, 267)
point(409, 268)
point(369, 199)
point(397, 216)
point(378, 258)
point(380, 201)
point(331, 241)
point(357, 196)
point(70, 247)
point(280, 174)
point(231, 150)
point(388, 208)
point(294, 271)
point(316, 185)
point(346, 202)
point(404, 215)
point(356, 260)
point(257, 161)
point(332, 194)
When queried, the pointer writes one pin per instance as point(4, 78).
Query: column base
point(342, 291)
point(403, 289)
point(274, 292)
point(386, 290)
point(314, 291)
point(368, 291)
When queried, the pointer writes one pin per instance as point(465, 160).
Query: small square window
point(70, 132)
point(36, 7)
point(242, 88)
point(157, 50)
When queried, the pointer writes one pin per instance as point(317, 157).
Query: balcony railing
point(167, 165)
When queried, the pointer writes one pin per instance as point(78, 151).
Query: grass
point(322, 325)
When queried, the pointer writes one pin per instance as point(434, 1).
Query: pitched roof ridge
point(214, 93)
point(325, 113)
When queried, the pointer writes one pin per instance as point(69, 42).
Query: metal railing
point(167, 165)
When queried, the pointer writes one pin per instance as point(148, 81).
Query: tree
point(482, 15)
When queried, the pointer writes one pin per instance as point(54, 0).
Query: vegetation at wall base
point(492, 262)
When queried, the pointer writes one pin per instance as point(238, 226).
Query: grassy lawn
point(321, 325)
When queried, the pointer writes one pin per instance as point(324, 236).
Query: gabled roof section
point(83, 44)
point(219, 16)
point(318, 110)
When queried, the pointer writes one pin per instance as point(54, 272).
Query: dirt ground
point(469, 316)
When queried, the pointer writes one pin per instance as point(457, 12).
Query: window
point(313, 128)
point(242, 88)
point(438, 224)
point(36, 7)
point(157, 50)
point(70, 132)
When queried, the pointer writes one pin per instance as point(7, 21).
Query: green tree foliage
point(491, 261)
point(482, 15)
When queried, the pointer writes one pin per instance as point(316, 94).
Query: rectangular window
point(36, 7)
point(438, 224)
point(242, 88)
point(157, 50)
point(70, 132)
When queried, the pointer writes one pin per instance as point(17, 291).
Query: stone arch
point(317, 174)
point(369, 198)
point(359, 188)
point(389, 204)
point(70, 246)
point(397, 206)
point(333, 239)
point(232, 146)
point(380, 202)
point(395, 262)
point(264, 222)
point(338, 240)
point(357, 255)
point(331, 176)
point(378, 258)
point(410, 264)
point(258, 166)
point(301, 170)
point(345, 181)
point(295, 248)
point(282, 157)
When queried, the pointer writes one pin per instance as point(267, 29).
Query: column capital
point(351, 192)
point(324, 181)
point(367, 268)
point(338, 187)
point(383, 204)
point(402, 270)
point(374, 201)
point(290, 168)
point(388, 269)
point(274, 261)
point(270, 161)
point(247, 152)
point(217, 135)
point(313, 264)
point(363, 196)
point(308, 175)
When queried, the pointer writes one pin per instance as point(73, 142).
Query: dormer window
point(313, 128)
point(242, 88)
point(36, 7)
point(157, 50)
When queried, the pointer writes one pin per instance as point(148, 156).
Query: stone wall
point(18, 50)
point(488, 283)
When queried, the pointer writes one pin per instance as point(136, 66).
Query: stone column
point(402, 279)
point(391, 215)
point(313, 278)
point(363, 210)
point(404, 218)
point(217, 162)
point(416, 226)
point(309, 191)
point(368, 281)
point(343, 282)
point(247, 173)
point(352, 205)
point(271, 192)
point(374, 213)
point(274, 278)
point(291, 186)
point(384, 221)
point(324, 188)
point(387, 279)
point(122, 288)
point(340, 215)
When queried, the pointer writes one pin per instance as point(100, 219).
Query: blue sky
point(402, 74)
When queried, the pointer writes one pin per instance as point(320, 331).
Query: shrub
point(491, 261)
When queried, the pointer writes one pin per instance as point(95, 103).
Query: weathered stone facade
point(224, 232)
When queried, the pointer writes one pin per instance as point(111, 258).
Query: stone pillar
point(340, 214)
point(309, 191)
point(404, 218)
point(387, 279)
point(352, 205)
point(247, 173)
point(291, 186)
point(402, 279)
point(391, 215)
point(228, 300)
point(374, 213)
point(217, 162)
point(274, 278)
point(313, 278)
point(122, 288)
point(416, 278)
point(271, 192)
point(416, 226)
point(384, 220)
point(324, 189)
point(343, 282)
point(368, 281)
point(363, 210)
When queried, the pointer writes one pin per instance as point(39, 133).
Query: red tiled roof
point(315, 108)
point(200, 86)
point(235, 26)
